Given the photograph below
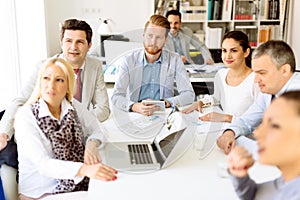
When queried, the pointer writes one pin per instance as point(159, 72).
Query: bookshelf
point(261, 20)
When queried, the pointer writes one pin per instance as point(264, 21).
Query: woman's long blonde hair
point(67, 69)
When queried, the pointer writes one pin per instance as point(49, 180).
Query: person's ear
point(286, 70)
point(247, 52)
point(90, 45)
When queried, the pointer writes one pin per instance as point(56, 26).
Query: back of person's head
point(75, 24)
point(174, 12)
point(158, 20)
point(243, 40)
point(279, 52)
point(68, 71)
point(293, 97)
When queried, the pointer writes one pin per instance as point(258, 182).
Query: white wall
point(295, 30)
point(127, 15)
point(23, 43)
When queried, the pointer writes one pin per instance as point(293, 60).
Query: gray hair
point(279, 51)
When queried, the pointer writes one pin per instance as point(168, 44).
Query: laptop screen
point(176, 125)
point(168, 143)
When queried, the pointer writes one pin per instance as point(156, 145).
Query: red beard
point(152, 51)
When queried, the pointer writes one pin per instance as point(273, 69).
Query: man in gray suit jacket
point(150, 73)
point(181, 38)
point(75, 42)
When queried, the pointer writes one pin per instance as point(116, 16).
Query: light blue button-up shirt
point(150, 88)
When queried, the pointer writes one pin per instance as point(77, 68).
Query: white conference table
point(188, 178)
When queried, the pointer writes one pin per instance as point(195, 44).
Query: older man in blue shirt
point(150, 73)
point(274, 65)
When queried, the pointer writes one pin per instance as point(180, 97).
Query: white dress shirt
point(246, 123)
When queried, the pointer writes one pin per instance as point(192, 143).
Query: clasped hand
point(239, 161)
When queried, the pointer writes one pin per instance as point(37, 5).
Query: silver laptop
point(147, 156)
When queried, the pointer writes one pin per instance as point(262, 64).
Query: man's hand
point(209, 61)
point(216, 117)
point(239, 161)
point(3, 140)
point(184, 59)
point(226, 141)
point(145, 109)
point(91, 153)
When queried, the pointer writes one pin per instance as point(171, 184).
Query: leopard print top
point(67, 141)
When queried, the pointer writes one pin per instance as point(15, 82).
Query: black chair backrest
point(1, 114)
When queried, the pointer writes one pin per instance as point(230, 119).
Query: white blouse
point(235, 100)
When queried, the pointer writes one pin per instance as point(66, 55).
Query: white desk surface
point(188, 178)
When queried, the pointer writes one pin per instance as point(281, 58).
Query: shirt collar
point(44, 110)
point(285, 87)
point(145, 62)
point(174, 37)
point(82, 66)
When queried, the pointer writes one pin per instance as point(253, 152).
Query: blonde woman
point(57, 140)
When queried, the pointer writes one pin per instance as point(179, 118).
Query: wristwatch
point(167, 104)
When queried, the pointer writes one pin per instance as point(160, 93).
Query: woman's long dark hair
point(242, 38)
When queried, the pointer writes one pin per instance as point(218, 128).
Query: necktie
point(272, 97)
point(78, 85)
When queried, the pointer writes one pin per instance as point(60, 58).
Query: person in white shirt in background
point(274, 65)
point(57, 138)
point(180, 38)
point(234, 87)
point(278, 139)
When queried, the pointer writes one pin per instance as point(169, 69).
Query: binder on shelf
point(213, 37)
point(264, 10)
point(264, 33)
point(210, 7)
point(226, 9)
point(275, 9)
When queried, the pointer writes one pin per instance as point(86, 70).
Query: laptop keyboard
point(139, 154)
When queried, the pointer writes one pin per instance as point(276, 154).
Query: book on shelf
point(275, 9)
point(213, 37)
point(251, 32)
point(269, 32)
point(160, 8)
point(269, 9)
point(210, 7)
point(226, 9)
point(245, 10)
point(217, 9)
point(264, 9)
point(163, 6)
point(193, 13)
point(264, 33)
